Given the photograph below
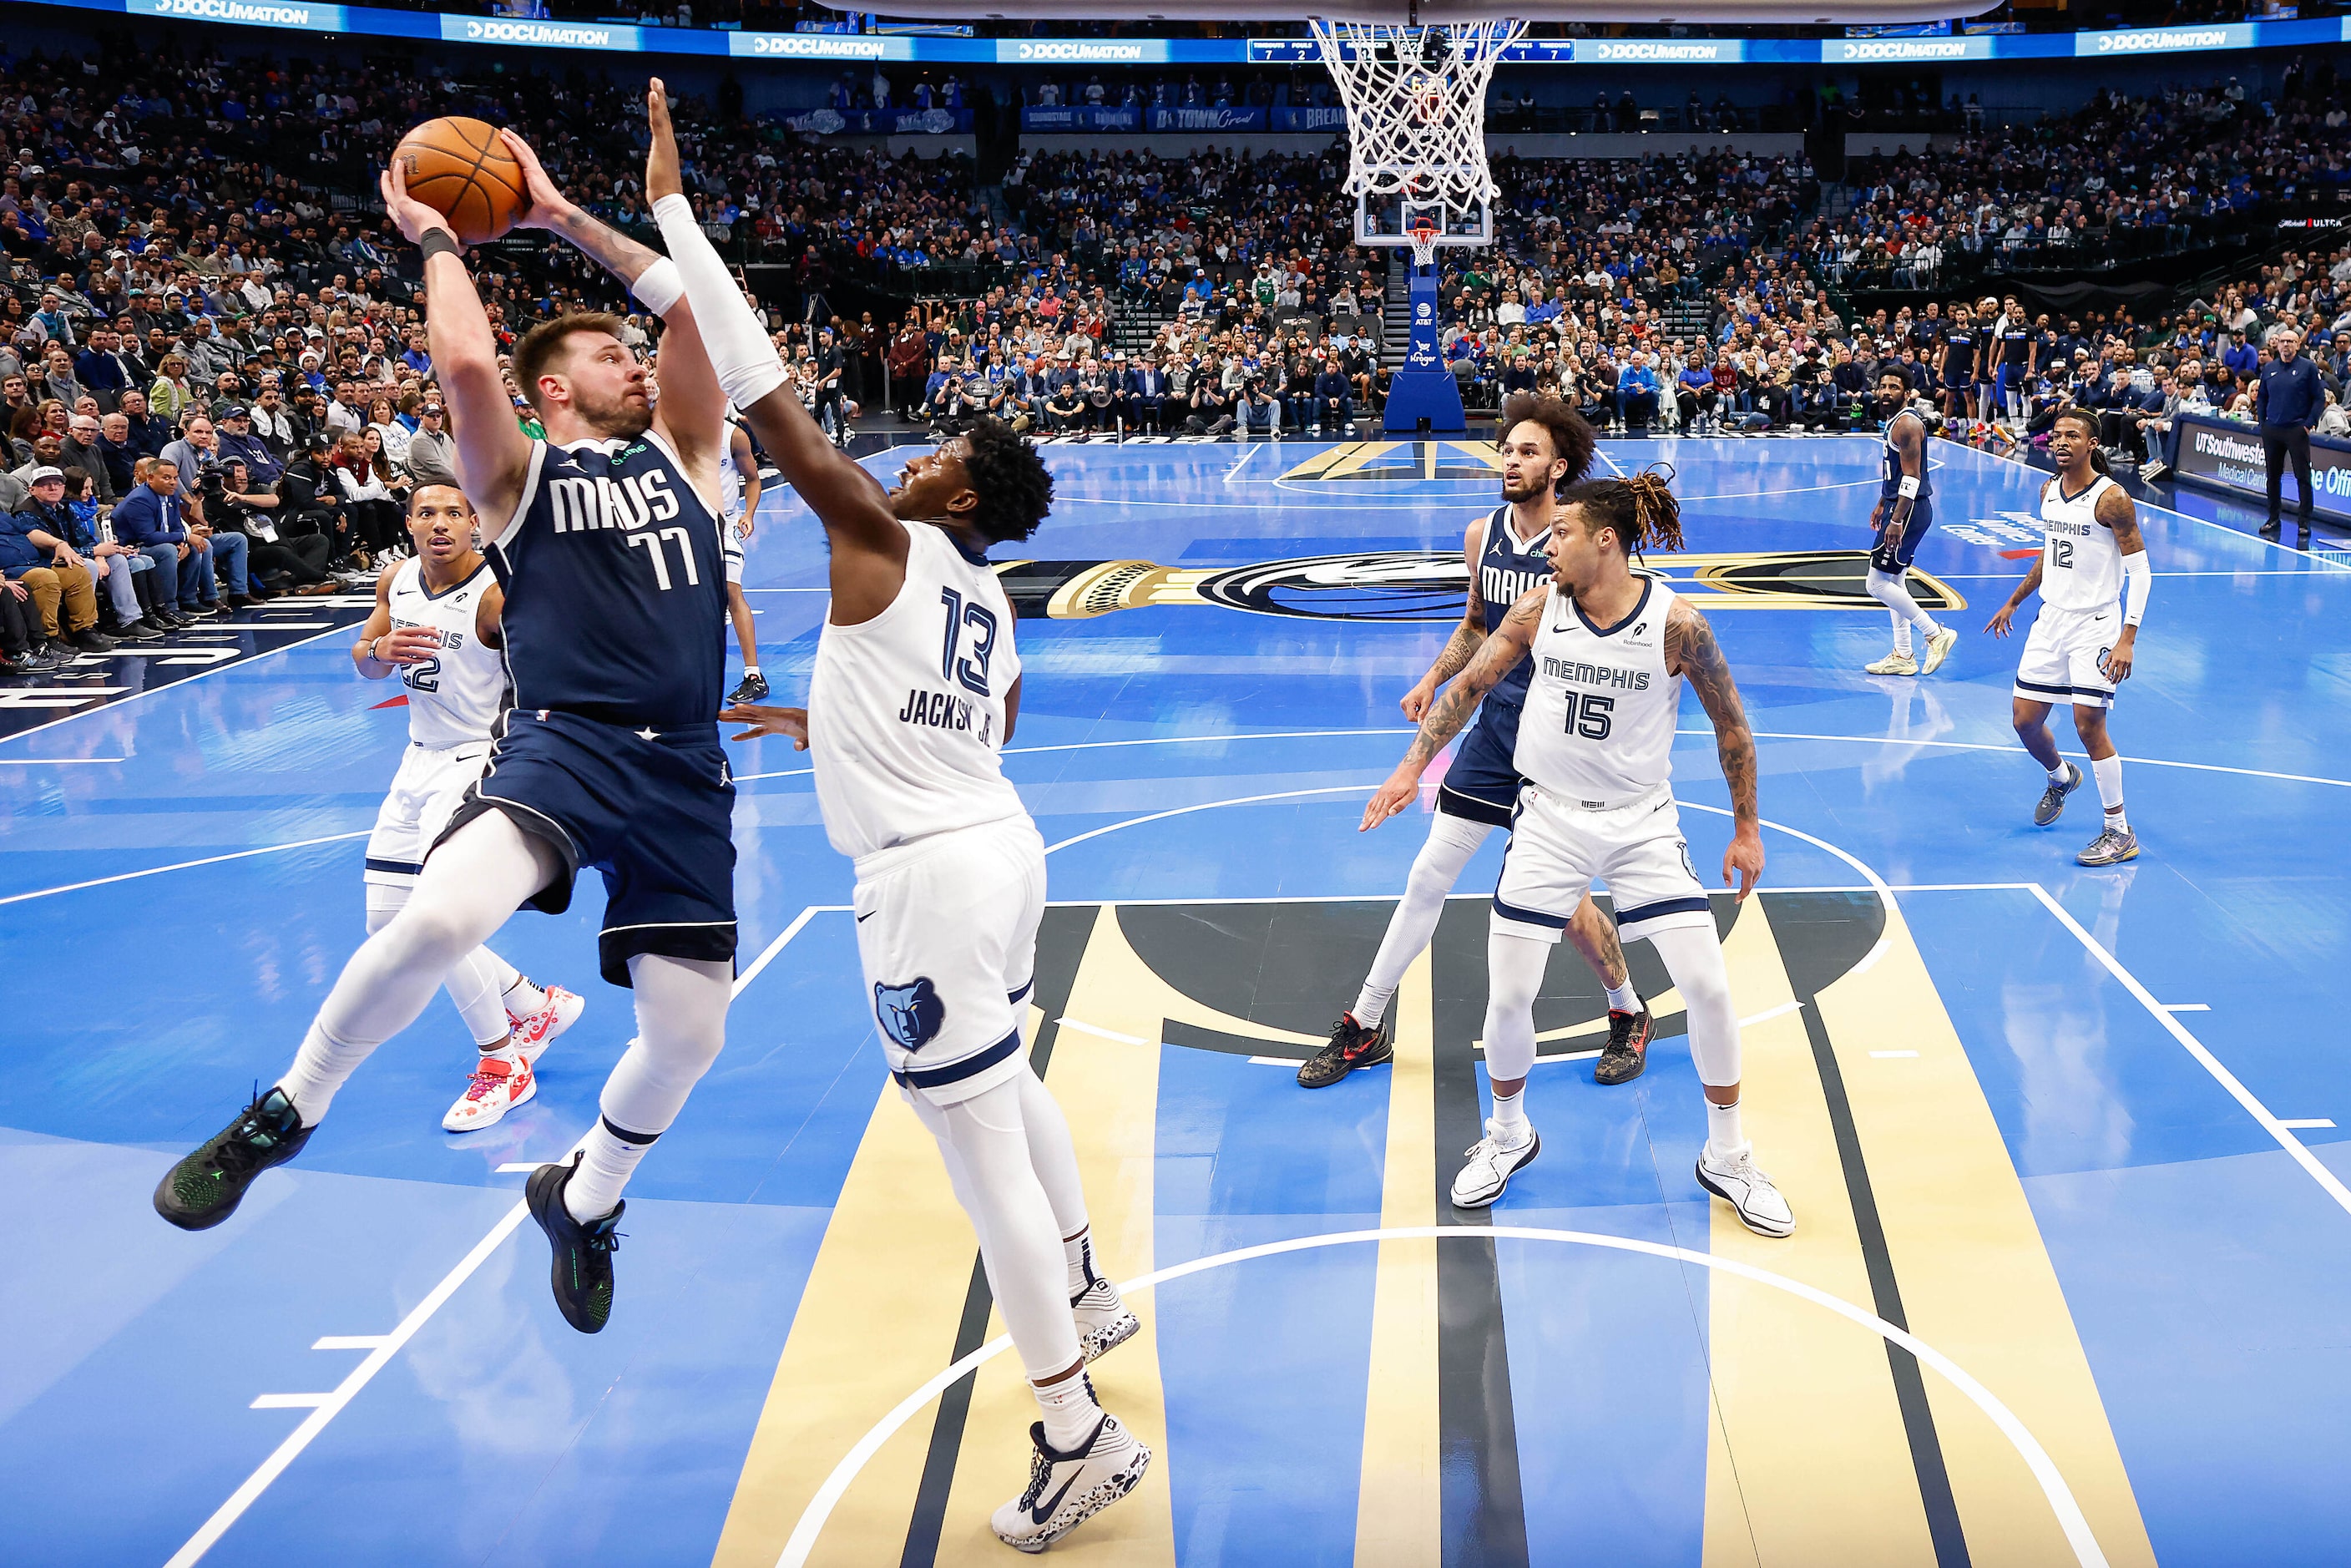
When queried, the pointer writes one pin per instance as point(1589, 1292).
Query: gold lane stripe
point(1808, 1461)
point(1399, 1506)
point(1976, 1278)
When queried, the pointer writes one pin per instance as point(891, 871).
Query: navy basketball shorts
point(655, 816)
point(1894, 562)
point(1482, 783)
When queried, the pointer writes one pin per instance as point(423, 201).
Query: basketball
point(459, 167)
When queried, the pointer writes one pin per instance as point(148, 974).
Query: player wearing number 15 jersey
point(436, 626)
point(1610, 648)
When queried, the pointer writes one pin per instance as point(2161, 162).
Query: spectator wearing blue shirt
point(149, 519)
point(2288, 398)
point(47, 568)
point(1637, 393)
point(47, 510)
point(2240, 357)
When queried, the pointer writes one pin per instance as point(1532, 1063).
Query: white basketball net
point(1416, 99)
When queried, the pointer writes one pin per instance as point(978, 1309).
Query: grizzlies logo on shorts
point(911, 1014)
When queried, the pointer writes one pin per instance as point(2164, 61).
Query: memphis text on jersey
point(1577, 673)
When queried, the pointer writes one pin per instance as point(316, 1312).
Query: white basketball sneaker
point(1067, 1489)
point(1730, 1174)
point(534, 1032)
point(1105, 1320)
point(1492, 1162)
point(1894, 664)
point(500, 1083)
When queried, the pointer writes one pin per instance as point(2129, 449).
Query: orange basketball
point(459, 168)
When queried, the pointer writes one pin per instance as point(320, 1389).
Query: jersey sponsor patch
point(911, 1014)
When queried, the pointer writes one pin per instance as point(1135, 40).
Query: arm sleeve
point(2139, 578)
point(739, 350)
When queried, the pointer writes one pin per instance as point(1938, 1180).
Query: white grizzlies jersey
point(730, 486)
point(453, 698)
point(906, 711)
point(1598, 729)
point(2081, 565)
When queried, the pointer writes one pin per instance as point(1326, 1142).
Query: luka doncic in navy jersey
point(615, 589)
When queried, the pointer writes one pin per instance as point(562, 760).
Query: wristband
point(1909, 487)
point(660, 287)
point(438, 241)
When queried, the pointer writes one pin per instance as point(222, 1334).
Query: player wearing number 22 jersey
point(1610, 648)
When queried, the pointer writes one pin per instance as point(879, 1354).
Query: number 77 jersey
point(615, 593)
point(1598, 728)
point(906, 710)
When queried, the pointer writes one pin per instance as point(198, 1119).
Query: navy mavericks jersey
point(1889, 484)
point(1506, 573)
point(616, 594)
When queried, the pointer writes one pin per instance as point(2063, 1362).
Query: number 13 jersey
point(1598, 731)
point(906, 710)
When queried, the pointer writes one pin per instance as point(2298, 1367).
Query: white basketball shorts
point(2064, 657)
point(947, 932)
point(1558, 850)
point(424, 795)
point(730, 549)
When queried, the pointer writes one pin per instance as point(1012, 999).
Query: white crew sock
point(607, 1159)
point(1069, 1411)
point(750, 670)
point(2057, 775)
point(1624, 999)
point(1372, 1004)
point(1723, 1133)
point(1078, 1253)
point(521, 998)
point(320, 1068)
point(2109, 771)
point(1510, 1123)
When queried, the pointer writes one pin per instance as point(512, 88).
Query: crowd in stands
point(216, 387)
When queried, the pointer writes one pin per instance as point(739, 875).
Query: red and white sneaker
point(500, 1084)
point(534, 1032)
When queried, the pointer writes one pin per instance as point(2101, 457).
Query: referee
point(2288, 399)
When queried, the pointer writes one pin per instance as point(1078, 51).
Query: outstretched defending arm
point(493, 454)
point(846, 499)
point(1495, 657)
point(1692, 654)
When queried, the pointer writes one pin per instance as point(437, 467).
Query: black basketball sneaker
point(581, 1272)
point(1627, 1054)
point(204, 1188)
point(1352, 1046)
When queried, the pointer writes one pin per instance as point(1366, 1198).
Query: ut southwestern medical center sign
point(2222, 455)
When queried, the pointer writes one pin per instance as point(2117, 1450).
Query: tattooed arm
point(1692, 654)
point(1462, 646)
point(1495, 657)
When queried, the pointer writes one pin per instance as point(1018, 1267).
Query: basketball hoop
point(1423, 236)
point(1416, 99)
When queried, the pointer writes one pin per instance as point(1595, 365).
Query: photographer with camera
point(244, 506)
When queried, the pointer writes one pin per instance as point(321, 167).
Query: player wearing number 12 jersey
point(917, 689)
point(1611, 648)
point(2082, 647)
point(436, 627)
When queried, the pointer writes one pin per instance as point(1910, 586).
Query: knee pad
point(1451, 841)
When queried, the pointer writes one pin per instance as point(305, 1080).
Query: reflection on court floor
point(2074, 1233)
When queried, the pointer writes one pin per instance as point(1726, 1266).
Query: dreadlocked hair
point(2089, 423)
point(1639, 507)
point(1014, 488)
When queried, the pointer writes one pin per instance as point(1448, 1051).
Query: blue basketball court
point(2074, 1238)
